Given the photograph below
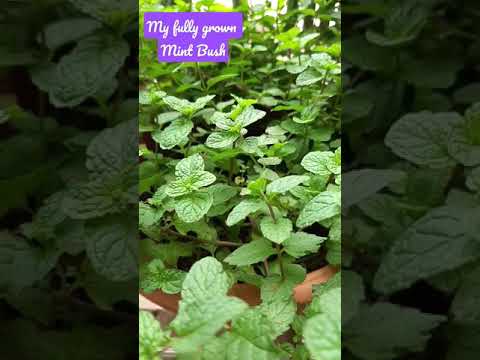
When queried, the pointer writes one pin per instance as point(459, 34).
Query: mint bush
point(240, 183)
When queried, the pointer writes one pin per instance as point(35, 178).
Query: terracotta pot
point(303, 292)
point(251, 294)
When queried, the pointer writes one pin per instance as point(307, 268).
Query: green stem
point(199, 74)
point(272, 213)
point(270, 208)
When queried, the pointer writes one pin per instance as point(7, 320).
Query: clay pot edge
point(302, 293)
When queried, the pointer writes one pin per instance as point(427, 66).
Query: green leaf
point(270, 161)
point(223, 199)
point(222, 121)
point(178, 188)
point(423, 138)
point(309, 77)
point(34, 263)
point(76, 76)
point(66, 31)
point(148, 215)
point(398, 331)
point(335, 232)
point(275, 288)
point(430, 72)
point(174, 134)
point(240, 348)
point(189, 184)
point(465, 307)
point(296, 68)
point(277, 231)
point(97, 198)
point(201, 102)
point(167, 117)
point(256, 328)
point(334, 253)
point(323, 337)
point(330, 302)
point(106, 293)
point(150, 96)
point(181, 105)
point(190, 177)
point(199, 321)
point(300, 244)
point(156, 277)
point(321, 163)
point(222, 193)
point(326, 300)
point(169, 252)
point(151, 337)
point(186, 107)
point(249, 115)
point(111, 12)
point(280, 313)
point(361, 184)
point(324, 206)
point(282, 185)
point(441, 233)
point(220, 140)
point(353, 283)
point(251, 253)
point(112, 247)
point(204, 308)
point(193, 207)
point(220, 78)
point(202, 179)
point(51, 213)
point(243, 209)
point(321, 60)
point(110, 152)
point(189, 166)
point(205, 281)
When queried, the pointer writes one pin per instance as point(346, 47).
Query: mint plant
point(240, 185)
point(180, 126)
point(232, 126)
point(191, 203)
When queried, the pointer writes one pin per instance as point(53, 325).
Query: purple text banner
point(193, 36)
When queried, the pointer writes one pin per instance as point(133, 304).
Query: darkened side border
point(410, 194)
point(68, 180)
